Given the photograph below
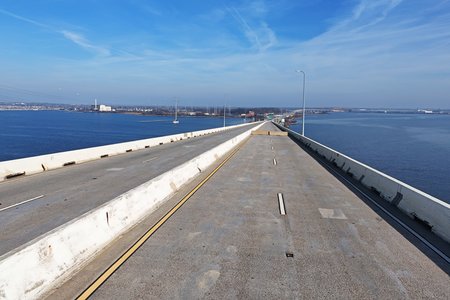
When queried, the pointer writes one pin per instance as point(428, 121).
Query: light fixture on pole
point(303, 114)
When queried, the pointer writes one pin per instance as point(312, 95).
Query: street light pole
point(224, 116)
point(303, 114)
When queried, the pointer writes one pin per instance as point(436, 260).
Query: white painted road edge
point(413, 202)
point(23, 202)
point(42, 163)
point(34, 269)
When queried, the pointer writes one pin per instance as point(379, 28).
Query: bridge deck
point(230, 240)
point(71, 191)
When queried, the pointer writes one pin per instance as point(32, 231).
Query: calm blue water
point(31, 133)
point(410, 147)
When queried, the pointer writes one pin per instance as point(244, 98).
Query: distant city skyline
point(355, 53)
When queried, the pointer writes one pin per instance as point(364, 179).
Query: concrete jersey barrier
point(428, 210)
point(32, 270)
point(42, 163)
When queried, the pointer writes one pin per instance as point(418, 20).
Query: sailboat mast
point(176, 109)
point(175, 121)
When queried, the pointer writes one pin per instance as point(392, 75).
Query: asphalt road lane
point(63, 194)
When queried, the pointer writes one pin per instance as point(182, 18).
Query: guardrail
point(424, 208)
point(37, 164)
point(32, 270)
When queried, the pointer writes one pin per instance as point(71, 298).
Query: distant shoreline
point(201, 113)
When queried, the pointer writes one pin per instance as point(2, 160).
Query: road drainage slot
point(14, 175)
point(349, 173)
point(104, 155)
point(375, 191)
point(422, 222)
point(147, 146)
point(43, 167)
point(129, 150)
point(281, 204)
point(69, 163)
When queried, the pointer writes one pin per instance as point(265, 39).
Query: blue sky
point(356, 53)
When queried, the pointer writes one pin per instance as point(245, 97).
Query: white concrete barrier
point(430, 211)
point(35, 268)
point(41, 163)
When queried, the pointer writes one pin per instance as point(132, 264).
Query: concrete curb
point(430, 211)
point(42, 264)
point(42, 163)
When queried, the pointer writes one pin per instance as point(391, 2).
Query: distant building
point(251, 114)
point(103, 107)
point(269, 116)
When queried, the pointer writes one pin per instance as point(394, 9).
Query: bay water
point(31, 133)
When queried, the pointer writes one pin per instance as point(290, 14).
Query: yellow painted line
point(102, 278)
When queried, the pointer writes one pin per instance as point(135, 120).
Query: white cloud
point(270, 39)
point(260, 35)
point(370, 39)
point(248, 31)
point(27, 20)
point(81, 41)
point(72, 36)
point(381, 53)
